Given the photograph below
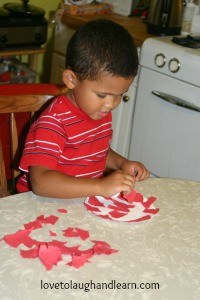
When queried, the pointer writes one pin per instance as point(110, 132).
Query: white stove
point(166, 123)
point(164, 56)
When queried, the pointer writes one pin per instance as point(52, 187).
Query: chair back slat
point(13, 104)
point(13, 144)
point(3, 181)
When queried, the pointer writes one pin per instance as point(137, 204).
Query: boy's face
point(97, 98)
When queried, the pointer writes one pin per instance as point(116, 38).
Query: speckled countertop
point(164, 250)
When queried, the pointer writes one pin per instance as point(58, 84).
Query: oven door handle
point(176, 101)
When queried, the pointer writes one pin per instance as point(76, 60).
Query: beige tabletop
point(162, 252)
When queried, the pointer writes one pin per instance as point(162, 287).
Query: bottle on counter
point(188, 15)
point(196, 19)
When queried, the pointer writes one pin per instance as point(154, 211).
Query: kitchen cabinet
point(57, 68)
point(122, 115)
point(62, 34)
point(122, 121)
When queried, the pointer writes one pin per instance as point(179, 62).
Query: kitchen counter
point(134, 25)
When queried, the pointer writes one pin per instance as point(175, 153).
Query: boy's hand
point(116, 182)
point(136, 169)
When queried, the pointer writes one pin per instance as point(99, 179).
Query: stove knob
point(174, 65)
point(160, 60)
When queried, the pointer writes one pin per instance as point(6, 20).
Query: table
point(163, 250)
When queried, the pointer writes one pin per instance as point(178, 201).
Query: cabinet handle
point(125, 98)
point(176, 101)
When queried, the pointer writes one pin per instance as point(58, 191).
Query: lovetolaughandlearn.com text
point(92, 285)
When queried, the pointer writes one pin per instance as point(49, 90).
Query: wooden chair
point(28, 98)
point(3, 182)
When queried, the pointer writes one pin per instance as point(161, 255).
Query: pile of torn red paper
point(50, 253)
point(133, 207)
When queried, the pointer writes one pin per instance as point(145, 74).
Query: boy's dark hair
point(102, 46)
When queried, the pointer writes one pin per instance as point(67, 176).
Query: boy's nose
point(110, 104)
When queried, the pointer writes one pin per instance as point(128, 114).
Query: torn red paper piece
point(31, 253)
point(130, 197)
point(88, 253)
point(91, 208)
point(40, 218)
point(80, 257)
point(62, 210)
point(100, 243)
point(101, 247)
point(138, 197)
point(52, 233)
point(29, 242)
point(39, 221)
point(33, 225)
point(78, 261)
point(104, 216)
point(152, 211)
point(72, 250)
point(63, 248)
point(122, 206)
point(49, 255)
point(76, 232)
point(146, 217)
point(59, 244)
point(117, 214)
point(19, 237)
point(50, 220)
point(149, 202)
point(94, 201)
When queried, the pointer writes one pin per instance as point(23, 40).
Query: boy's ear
point(69, 79)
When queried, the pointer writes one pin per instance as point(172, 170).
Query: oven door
point(166, 126)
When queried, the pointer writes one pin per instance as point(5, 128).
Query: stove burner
point(188, 41)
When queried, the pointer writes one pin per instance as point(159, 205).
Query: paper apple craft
point(133, 207)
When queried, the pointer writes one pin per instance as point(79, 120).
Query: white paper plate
point(119, 209)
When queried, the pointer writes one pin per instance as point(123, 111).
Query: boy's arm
point(55, 184)
point(49, 183)
point(114, 160)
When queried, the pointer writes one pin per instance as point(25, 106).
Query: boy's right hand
point(116, 182)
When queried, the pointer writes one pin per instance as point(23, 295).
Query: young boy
point(68, 148)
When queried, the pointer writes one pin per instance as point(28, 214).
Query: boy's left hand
point(136, 169)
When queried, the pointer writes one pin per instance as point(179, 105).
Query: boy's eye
point(101, 95)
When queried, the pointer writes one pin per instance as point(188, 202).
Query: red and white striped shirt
point(65, 139)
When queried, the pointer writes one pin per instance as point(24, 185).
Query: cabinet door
point(57, 68)
point(62, 35)
point(122, 122)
